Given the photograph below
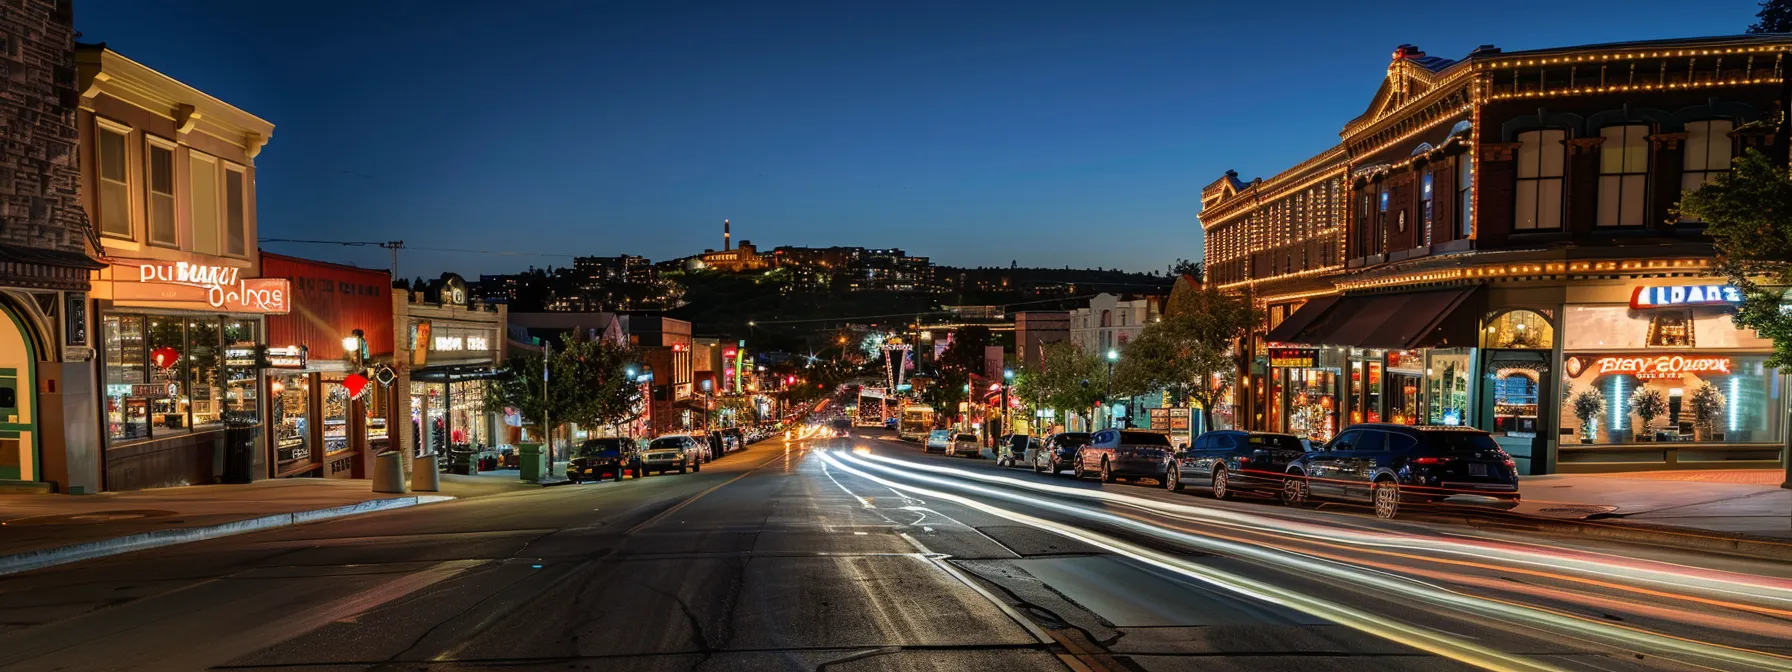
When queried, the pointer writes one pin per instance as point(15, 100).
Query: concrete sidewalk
point(41, 530)
point(1736, 502)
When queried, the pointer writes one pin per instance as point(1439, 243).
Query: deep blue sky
point(972, 132)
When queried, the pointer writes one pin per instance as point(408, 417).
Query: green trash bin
point(532, 461)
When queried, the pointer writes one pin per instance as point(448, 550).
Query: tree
point(1193, 346)
point(1071, 379)
point(965, 355)
point(1775, 17)
point(588, 384)
point(1194, 269)
point(1748, 214)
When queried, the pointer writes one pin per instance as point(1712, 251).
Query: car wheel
point(1173, 478)
point(1294, 489)
point(1076, 468)
point(1039, 463)
point(1387, 498)
point(574, 478)
point(1107, 471)
point(1222, 484)
point(696, 467)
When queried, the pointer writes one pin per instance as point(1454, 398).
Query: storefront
point(331, 381)
point(178, 351)
point(1658, 376)
point(450, 348)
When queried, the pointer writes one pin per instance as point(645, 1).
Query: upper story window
point(1540, 162)
point(1623, 175)
point(1465, 182)
point(115, 181)
point(202, 176)
point(159, 170)
point(1708, 153)
point(235, 213)
point(1425, 215)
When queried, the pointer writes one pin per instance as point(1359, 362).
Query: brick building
point(1494, 239)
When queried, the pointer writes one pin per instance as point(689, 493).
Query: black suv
point(1059, 452)
point(1230, 461)
point(597, 457)
point(1393, 465)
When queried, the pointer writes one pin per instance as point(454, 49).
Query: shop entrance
point(18, 427)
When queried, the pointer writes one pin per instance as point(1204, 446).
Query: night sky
point(976, 133)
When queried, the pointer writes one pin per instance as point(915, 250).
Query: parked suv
point(1059, 452)
point(938, 440)
point(610, 455)
point(1392, 466)
point(966, 445)
point(673, 451)
point(1124, 453)
point(1230, 461)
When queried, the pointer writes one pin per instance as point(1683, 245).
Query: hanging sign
point(288, 357)
point(385, 375)
point(1294, 358)
point(1675, 296)
point(1650, 367)
point(357, 385)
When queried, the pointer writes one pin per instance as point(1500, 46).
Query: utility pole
point(394, 246)
point(547, 434)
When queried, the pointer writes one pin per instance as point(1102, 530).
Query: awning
point(1401, 321)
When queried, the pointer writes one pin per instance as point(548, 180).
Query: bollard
point(388, 476)
point(426, 475)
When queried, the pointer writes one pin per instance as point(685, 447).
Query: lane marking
point(676, 507)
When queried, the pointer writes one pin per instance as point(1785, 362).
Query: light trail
point(1597, 566)
point(1551, 622)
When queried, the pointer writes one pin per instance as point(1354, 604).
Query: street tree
point(1194, 347)
point(1748, 214)
point(1073, 380)
point(592, 377)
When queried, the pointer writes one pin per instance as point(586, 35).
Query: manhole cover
point(1587, 510)
point(88, 517)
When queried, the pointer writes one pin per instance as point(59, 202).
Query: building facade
point(447, 347)
point(1111, 320)
point(48, 437)
point(1035, 328)
point(1493, 244)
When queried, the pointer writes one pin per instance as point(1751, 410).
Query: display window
point(1365, 388)
point(1312, 402)
point(1447, 378)
point(375, 406)
point(170, 375)
point(289, 405)
point(1405, 383)
point(336, 407)
point(1686, 396)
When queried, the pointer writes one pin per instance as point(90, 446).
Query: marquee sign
point(1676, 296)
point(1294, 358)
point(219, 287)
point(1646, 367)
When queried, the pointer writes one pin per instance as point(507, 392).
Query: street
point(859, 553)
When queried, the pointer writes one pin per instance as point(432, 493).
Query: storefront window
point(1680, 397)
point(241, 396)
point(375, 405)
point(290, 406)
point(1312, 402)
point(468, 407)
point(1406, 373)
point(1365, 388)
point(168, 375)
point(336, 407)
point(1520, 330)
point(127, 368)
point(1447, 384)
point(206, 363)
point(168, 401)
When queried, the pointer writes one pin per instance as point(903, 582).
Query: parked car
point(1230, 461)
point(1392, 466)
point(939, 440)
point(1059, 452)
point(966, 445)
point(673, 451)
point(1114, 454)
point(597, 457)
point(1017, 449)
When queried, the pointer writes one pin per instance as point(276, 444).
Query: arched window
point(1519, 330)
point(1107, 318)
point(1623, 175)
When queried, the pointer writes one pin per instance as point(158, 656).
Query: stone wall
point(39, 167)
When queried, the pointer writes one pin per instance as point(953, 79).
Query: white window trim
point(174, 184)
point(101, 125)
point(225, 168)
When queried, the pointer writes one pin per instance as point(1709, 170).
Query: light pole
point(1007, 379)
point(633, 380)
point(1107, 397)
point(547, 434)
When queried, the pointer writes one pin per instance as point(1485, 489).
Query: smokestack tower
point(727, 238)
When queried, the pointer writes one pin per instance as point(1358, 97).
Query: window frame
point(150, 144)
point(1538, 181)
point(193, 201)
point(225, 211)
point(103, 126)
point(1624, 177)
point(1706, 174)
point(1465, 185)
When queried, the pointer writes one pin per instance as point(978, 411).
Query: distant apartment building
point(891, 270)
point(1035, 328)
point(621, 269)
point(1111, 320)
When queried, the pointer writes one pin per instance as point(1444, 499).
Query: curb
point(1698, 540)
point(61, 555)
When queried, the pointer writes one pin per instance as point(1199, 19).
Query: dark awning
point(1292, 325)
point(457, 373)
point(1402, 321)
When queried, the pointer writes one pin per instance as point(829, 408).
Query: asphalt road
point(861, 554)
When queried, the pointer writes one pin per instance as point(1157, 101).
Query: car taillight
point(1511, 464)
point(1244, 460)
point(1430, 460)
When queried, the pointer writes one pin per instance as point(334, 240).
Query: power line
point(360, 243)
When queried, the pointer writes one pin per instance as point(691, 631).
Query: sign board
point(1675, 296)
point(454, 290)
point(1294, 358)
point(1160, 419)
point(241, 356)
point(288, 357)
point(1179, 419)
point(1650, 367)
point(74, 318)
point(155, 390)
point(420, 340)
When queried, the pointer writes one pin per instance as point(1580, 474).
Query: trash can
point(388, 474)
point(426, 474)
point(532, 461)
point(463, 460)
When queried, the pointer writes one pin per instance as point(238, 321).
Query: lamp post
point(1107, 397)
point(1007, 379)
point(547, 435)
point(634, 378)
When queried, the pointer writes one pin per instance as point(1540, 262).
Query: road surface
point(861, 554)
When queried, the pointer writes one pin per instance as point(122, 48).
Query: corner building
point(1492, 244)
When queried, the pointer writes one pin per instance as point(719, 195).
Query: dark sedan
point(1228, 462)
point(597, 457)
point(1391, 466)
point(1124, 453)
point(1059, 452)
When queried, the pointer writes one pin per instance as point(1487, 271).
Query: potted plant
point(1587, 406)
point(1706, 404)
point(1647, 403)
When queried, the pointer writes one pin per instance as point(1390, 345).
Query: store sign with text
point(1294, 358)
point(1650, 367)
point(288, 357)
point(202, 286)
point(1677, 296)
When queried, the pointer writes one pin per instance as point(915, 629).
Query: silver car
point(672, 452)
point(966, 445)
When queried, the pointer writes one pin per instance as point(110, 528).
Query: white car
point(966, 445)
point(672, 452)
point(938, 440)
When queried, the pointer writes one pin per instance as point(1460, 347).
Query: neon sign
point(1674, 296)
point(1652, 368)
point(220, 287)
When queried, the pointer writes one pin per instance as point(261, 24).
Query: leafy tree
point(1775, 17)
point(1193, 346)
point(965, 355)
point(588, 385)
point(1748, 214)
point(1071, 380)
point(1191, 268)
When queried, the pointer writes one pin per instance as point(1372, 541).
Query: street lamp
point(352, 344)
point(1007, 380)
point(1108, 396)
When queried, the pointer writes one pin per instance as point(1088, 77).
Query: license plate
point(1477, 470)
